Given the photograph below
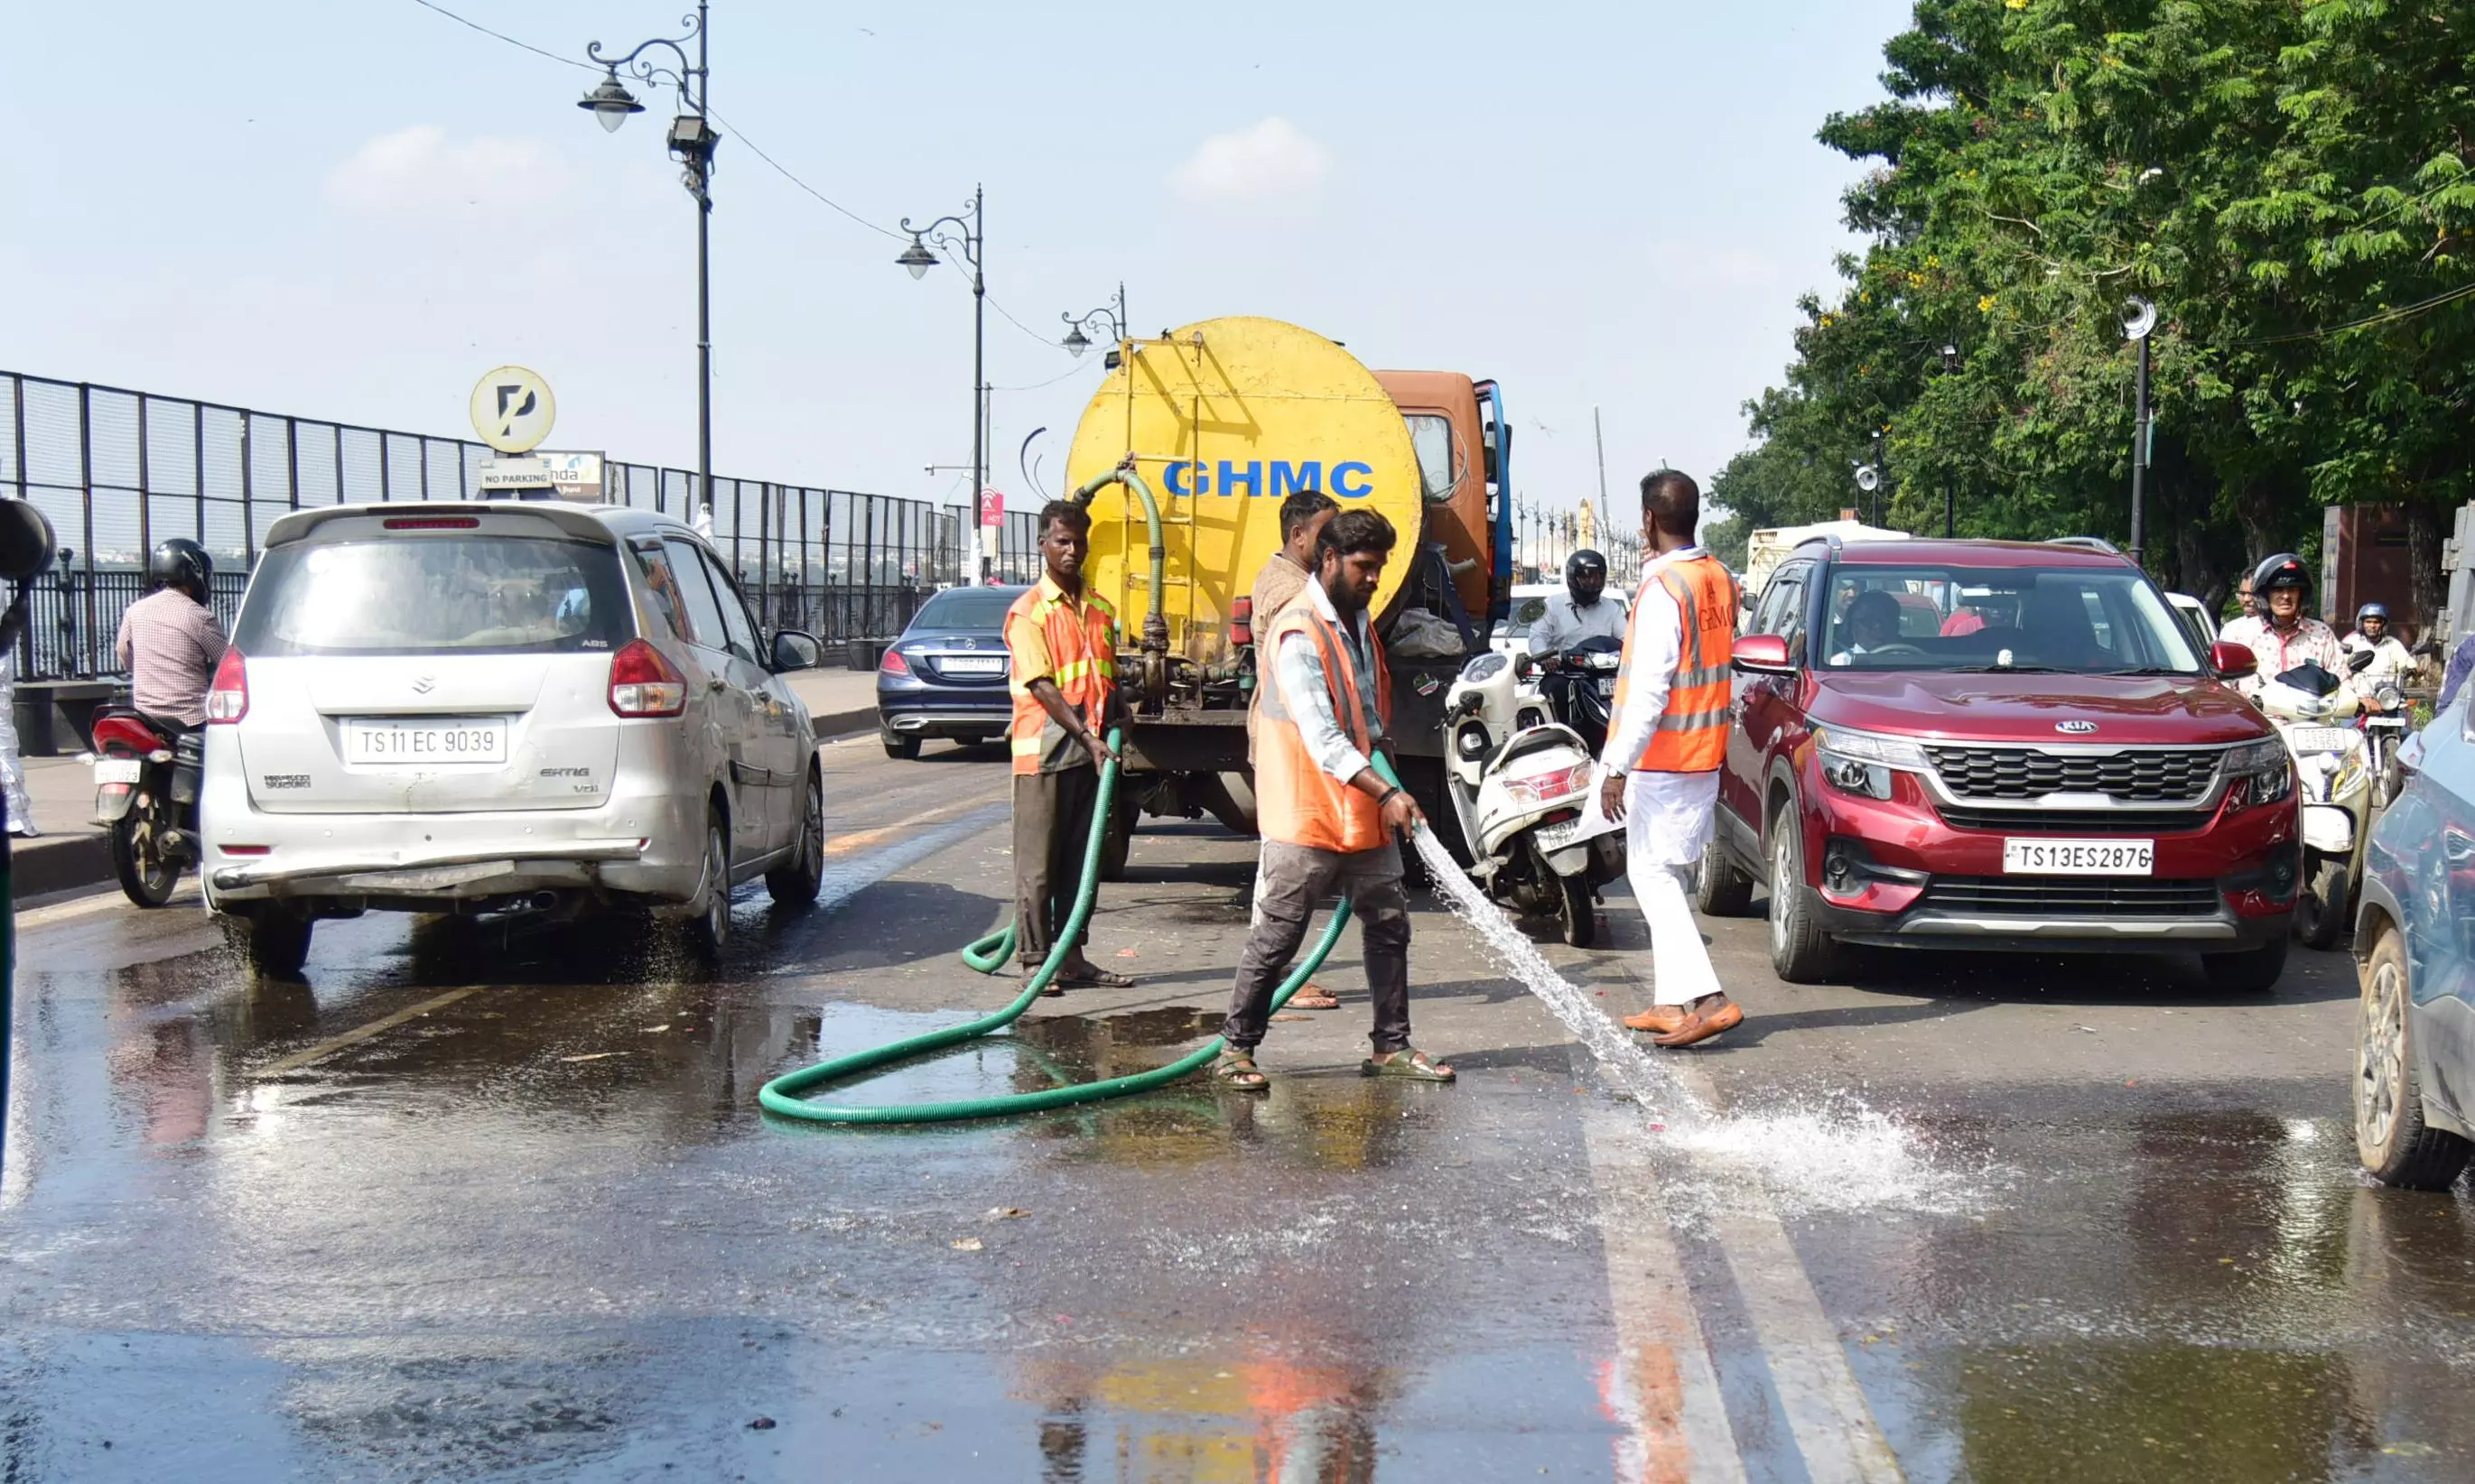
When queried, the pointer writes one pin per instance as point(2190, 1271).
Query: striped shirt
point(170, 644)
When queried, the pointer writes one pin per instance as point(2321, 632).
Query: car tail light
point(1242, 620)
point(893, 664)
point(433, 522)
point(125, 734)
point(643, 684)
point(228, 694)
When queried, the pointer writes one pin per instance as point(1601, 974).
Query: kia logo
point(2075, 728)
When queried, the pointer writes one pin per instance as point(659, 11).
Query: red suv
point(1998, 744)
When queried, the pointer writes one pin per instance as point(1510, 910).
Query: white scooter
point(2313, 713)
point(1521, 789)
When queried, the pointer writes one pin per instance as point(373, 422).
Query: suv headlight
point(2261, 772)
point(1861, 763)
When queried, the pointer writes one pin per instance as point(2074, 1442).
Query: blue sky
point(351, 208)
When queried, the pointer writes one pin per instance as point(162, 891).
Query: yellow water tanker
point(1225, 418)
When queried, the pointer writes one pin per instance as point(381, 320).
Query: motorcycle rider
point(2244, 626)
point(1579, 612)
point(2288, 636)
point(2390, 659)
point(170, 641)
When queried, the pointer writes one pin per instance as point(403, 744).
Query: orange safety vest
point(1692, 735)
point(1083, 659)
point(1295, 801)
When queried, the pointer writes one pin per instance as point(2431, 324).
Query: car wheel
point(2391, 1137)
point(709, 929)
point(1801, 952)
point(274, 940)
point(796, 882)
point(147, 874)
point(2246, 973)
point(903, 748)
point(2321, 911)
point(1720, 888)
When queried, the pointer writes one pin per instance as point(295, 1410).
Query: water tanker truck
point(1222, 420)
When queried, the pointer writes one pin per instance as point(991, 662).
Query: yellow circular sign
point(513, 409)
point(1226, 419)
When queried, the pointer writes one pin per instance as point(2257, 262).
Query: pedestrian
point(2244, 626)
point(1285, 576)
point(1329, 821)
point(1061, 641)
point(1664, 750)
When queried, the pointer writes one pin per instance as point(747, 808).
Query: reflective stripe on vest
point(1296, 801)
point(1083, 659)
point(1692, 734)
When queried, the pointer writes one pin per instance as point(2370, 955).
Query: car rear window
point(436, 594)
point(966, 608)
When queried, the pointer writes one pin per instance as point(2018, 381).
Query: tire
point(1720, 888)
point(709, 929)
point(2246, 973)
point(1577, 914)
point(905, 749)
point(146, 877)
point(275, 941)
point(2394, 1143)
point(796, 882)
point(1118, 844)
point(1801, 952)
point(2320, 910)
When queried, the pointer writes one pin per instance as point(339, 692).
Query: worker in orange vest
point(1665, 746)
point(1062, 644)
point(1328, 820)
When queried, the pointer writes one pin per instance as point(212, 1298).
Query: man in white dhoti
point(1660, 767)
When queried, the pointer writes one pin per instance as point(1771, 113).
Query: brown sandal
point(1236, 1069)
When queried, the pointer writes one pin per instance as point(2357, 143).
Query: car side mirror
point(795, 651)
point(2232, 661)
point(1762, 654)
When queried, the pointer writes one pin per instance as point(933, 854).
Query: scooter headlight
point(2352, 776)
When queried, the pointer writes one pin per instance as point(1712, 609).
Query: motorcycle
point(2333, 772)
point(146, 796)
point(1520, 788)
point(2384, 724)
point(1580, 686)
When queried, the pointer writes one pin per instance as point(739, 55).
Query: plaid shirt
point(170, 644)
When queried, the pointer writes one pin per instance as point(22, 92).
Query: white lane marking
point(1660, 1384)
point(385, 1023)
point(101, 901)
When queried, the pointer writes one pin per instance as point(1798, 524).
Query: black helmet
point(1584, 563)
point(180, 563)
point(2285, 570)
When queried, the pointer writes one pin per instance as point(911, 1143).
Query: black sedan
point(946, 675)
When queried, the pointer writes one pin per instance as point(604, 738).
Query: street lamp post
point(969, 236)
point(2139, 317)
point(1076, 342)
point(691, 140)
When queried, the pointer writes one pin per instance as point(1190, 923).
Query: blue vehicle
point(2414, 948)
point(946, 675)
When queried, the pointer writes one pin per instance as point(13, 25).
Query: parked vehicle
point(474, 707)
point(2313, 713)
point(946, 675)
point(1520, 790)
point(2196, 620)
point(146, 799)
point(2414, 956)
point(1988, 745)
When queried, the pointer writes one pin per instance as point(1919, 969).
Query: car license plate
point(425, 740)
point(972, 664)
point(118, 771)
point(2078, 857)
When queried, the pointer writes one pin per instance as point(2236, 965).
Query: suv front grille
point(2145, 776)
point(2047, 896)
point(2075, 821)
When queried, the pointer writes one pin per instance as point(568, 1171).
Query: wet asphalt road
point(496, 1202)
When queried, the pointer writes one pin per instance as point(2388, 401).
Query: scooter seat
point(1536, 739)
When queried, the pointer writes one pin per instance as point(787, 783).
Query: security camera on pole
point(2139, 318)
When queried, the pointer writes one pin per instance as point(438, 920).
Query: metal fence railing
point(118, 471)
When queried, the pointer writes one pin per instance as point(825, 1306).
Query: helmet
point(180, 563)
point(1584, 563)
point(2285, 570)
point(2379, 611)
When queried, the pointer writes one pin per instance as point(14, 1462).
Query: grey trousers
point(1293, 879)
point(1052, 826)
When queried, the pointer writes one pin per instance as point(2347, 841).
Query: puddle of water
point(1035, 1052)
point(1835, 1154)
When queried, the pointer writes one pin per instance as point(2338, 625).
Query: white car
point(476, 707)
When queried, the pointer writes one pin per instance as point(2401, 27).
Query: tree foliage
point(2292, 182)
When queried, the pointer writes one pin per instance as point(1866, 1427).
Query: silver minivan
point(479, 707)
